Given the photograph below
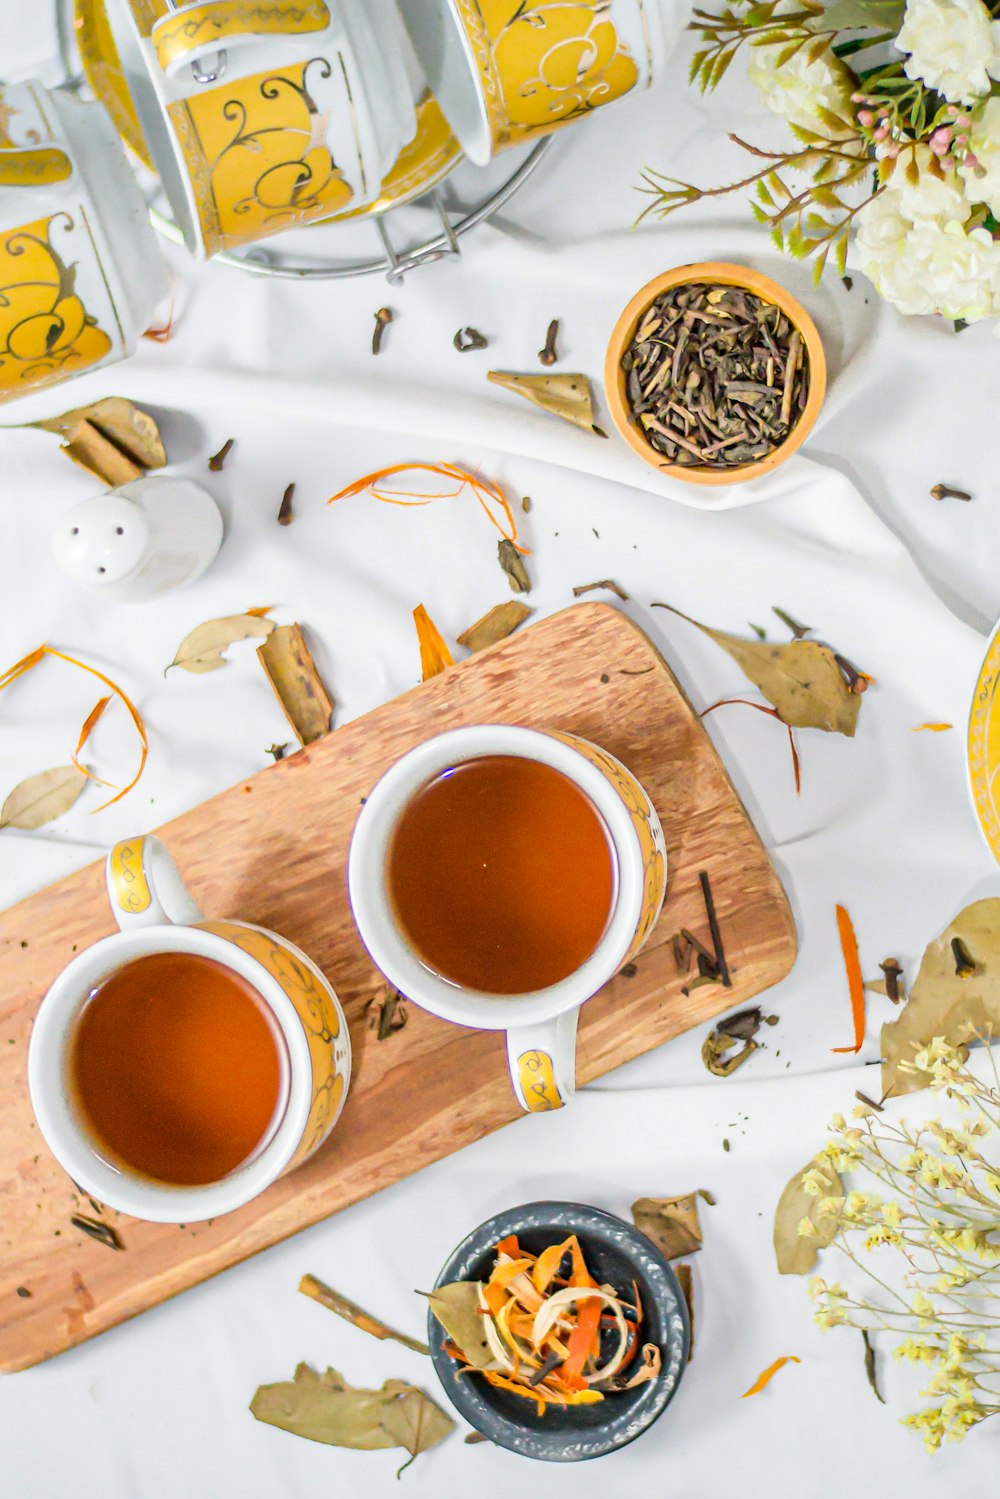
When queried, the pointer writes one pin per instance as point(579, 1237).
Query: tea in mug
point(176, 1068)
point(501, 875)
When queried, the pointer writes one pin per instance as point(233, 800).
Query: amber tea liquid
point(176, 1068)
point(501, 875)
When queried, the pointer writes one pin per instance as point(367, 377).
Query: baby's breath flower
point(806, 1229)
point(838, 1123)
point(892, 1213)
point(815, 1182)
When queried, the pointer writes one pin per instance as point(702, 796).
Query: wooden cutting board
point(273, 850)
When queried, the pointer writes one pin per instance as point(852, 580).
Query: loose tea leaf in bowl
point(716, 376)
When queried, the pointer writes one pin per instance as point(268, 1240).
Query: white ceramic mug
point(541, 1026)
point(156, 914)
point(81, 272)
point(261, 118)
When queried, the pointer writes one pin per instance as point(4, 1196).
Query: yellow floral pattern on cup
point(543, 63)
point(322, 1020)
point(536, 1076)
point(257, 156)
point(647, 828)
point(984, 747)
point(46, 332)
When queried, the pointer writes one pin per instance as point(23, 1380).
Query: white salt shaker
point(135, 542)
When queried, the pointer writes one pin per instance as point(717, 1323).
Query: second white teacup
point(540, 1025)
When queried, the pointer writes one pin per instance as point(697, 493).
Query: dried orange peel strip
point(435, 657)
point(764, 1379)
point(855, 980)
point(33, 658)
point(486, 492)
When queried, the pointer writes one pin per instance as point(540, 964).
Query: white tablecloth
point(848, 540)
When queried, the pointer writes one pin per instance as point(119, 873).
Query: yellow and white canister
point(80, 269)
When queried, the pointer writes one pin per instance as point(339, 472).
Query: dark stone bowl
point(616, 1254)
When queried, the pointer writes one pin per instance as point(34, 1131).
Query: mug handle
point(33, 166)
point(542, 1062)
point(145, 887)
point(189, 32)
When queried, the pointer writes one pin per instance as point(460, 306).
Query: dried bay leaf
point(297, 684)
point(801, 679)
point(324, 1408)
point(416, 1423)
point(943, 1004)
point(512, 562)
point(499, 622)
point(202, 649)
point(795, 1252)
point(671, 1222)
point(568, 396)
point(43, 797)
point(456, 1306)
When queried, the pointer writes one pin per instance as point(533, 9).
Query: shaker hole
point(102, 569)
point(119, 530)
point(75, 531)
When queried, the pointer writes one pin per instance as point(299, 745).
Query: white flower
point(982, 174)
point(929, 197)
point(954, 47)
point(928, 264)
point(799, 88)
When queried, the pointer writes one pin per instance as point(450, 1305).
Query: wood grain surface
point(273, 850)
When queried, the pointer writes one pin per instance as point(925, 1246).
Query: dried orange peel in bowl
point(557, 1337)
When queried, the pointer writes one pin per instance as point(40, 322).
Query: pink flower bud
point(864, 117)
point(963, 122)
point(881, 133)
point(948, 162)
point(961, 140)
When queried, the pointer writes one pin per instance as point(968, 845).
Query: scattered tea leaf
point(473, 1438)
point(499, 622)
point(285, 512)
point(101, 1233)
point(671, 1222)
point(435, 657)
point(764, 1379)
point(217, 460)
point(706, 1196)
point(761, 634)
point(512, 562)
point(297, 684)
point(277, 751)
point(869, 1103)
point(870, 1374)
point(457, 1307)
point(324, 1408)
point(798, 631)
point(893, 976)
point(716, 1049)
point(24, 1293)
point(43, 797)
point(113, 439)
point(686, 1282)
point(607, 583)
point(526, 503)
point(317, 1290)
point(742, 1026)
point(386, 1012)
point(802, 679)
point(202, 649)
point(713, 925)
point(469, 338)
point(855, 981)
point(933, 728)
point(965, 963)
point(796, 1252)
point(568, 396)
point(941, 1003)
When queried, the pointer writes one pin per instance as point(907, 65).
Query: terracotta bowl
point(717, 273)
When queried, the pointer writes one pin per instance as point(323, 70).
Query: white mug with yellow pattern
point(509, 71)
point(265, 117)
point(540, 1026)
point(156, 914)
point(81, 272)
